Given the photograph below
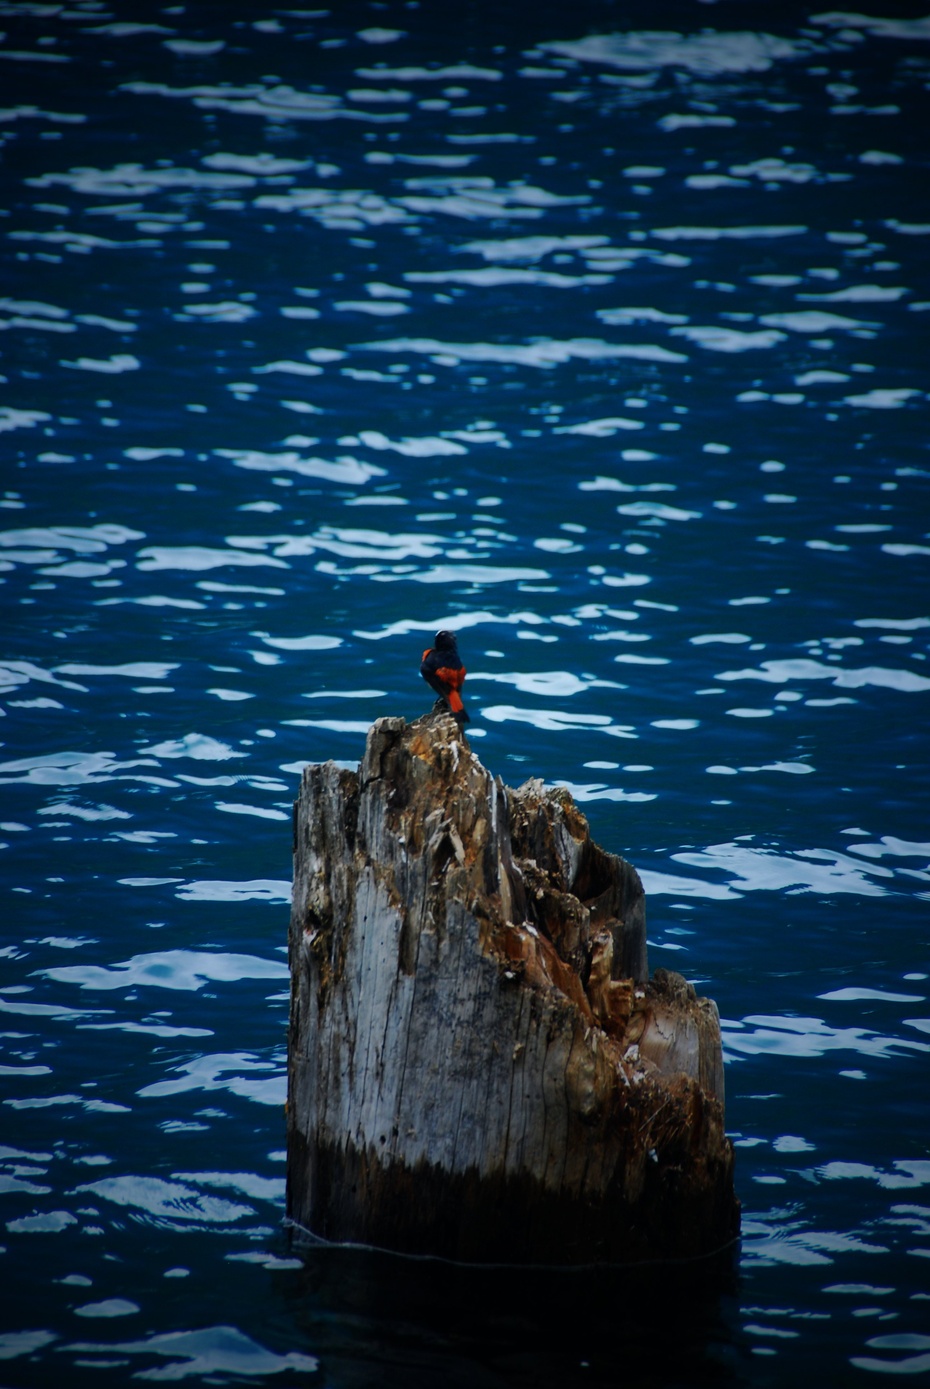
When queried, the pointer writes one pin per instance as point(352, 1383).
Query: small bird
point(442, 668)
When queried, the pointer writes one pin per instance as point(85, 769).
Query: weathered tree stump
point(479, 1066)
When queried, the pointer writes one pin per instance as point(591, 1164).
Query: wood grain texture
point(479, 1066)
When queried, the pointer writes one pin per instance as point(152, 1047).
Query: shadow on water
point(379, 1318)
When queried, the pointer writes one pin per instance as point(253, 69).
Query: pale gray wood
point(479, 1065)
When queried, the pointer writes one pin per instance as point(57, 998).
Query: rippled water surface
point(597, 333)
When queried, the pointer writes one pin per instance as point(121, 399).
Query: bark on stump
point(479, 1066)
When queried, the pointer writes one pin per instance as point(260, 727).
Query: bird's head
point(445, 641)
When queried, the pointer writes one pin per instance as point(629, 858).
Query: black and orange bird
point(442, 669)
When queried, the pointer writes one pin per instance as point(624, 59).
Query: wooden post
point(479, 1066)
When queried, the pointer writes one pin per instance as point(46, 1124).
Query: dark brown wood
point(479, 1066)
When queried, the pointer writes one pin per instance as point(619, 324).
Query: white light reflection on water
point(202, 1353)
point(808, 1037)
point(172, 969)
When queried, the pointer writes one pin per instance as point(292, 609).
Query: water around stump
point(598, 336)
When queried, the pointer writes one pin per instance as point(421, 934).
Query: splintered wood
point(479, 1066)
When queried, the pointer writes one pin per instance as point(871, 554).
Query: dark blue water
point(595, 332)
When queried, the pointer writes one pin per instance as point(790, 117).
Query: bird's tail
point(459, 712)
